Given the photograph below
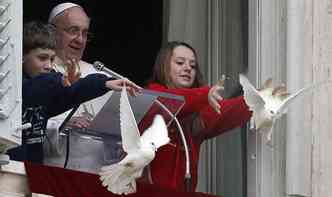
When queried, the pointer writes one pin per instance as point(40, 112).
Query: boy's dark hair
point(37, 34)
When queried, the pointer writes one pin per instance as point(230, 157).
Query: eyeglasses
point(75, 31)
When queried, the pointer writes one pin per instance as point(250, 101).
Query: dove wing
point(120, 177)
point(157, 133)
point(290, 99)
point(129, 130)
point(251, 95)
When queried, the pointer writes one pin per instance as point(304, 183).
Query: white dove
point(120, 178)
point(269, 104)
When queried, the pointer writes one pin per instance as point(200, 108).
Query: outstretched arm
point(195, 98)
point(48, 90)
point(233, 113)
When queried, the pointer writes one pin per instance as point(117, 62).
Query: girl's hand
point(214, 97)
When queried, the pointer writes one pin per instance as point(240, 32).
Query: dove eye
point(272, 112)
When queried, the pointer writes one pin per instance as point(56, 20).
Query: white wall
point(321, 117)
point(11, 13)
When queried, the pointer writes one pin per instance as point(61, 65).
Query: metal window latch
point(4, 75)
point(5, 112)
point(3, 42)
point(3, 91)
point(3, 59)
point(3, 8)
point(3, 25)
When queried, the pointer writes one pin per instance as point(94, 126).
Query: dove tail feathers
point(109, 175)
point(117, 181)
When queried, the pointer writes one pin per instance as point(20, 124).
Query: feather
point(129, 130)
point(279, 90)
point(291, 98)
point(251, 95)
point(267, 83)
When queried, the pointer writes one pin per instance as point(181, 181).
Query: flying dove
point(269, 103)
point(120, 178)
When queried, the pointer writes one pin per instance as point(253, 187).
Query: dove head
point(269, 113)
point(149, 151)
point(150, 146)
point(263, 119)
point(269, 117)
point(154, 147)
point(273, 98)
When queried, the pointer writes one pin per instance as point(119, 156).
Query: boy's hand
point(117, 84)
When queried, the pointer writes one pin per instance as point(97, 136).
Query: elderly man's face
point(72, 31)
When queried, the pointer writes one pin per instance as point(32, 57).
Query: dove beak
point(154, 147)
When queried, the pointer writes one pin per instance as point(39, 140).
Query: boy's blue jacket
point(45, 96)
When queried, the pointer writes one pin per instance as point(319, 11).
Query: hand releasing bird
point(268, 104)
point(120, 178)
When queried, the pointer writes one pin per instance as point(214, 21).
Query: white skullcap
point(59, 9)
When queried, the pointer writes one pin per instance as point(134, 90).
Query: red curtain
point(61, 182)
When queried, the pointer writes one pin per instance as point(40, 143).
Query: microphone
point(101, 67)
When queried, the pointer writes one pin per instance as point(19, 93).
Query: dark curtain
point(126, 34)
